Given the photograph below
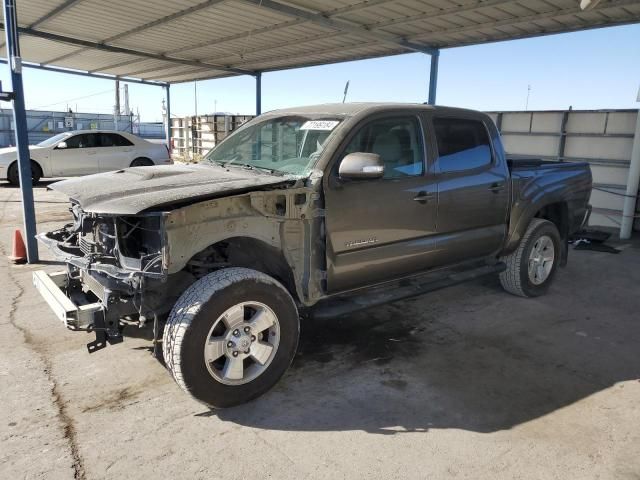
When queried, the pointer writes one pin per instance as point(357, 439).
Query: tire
point(14, 177)
point(197, 319)
point(517, 279)
point(142, 162)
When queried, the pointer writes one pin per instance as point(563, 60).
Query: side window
point(463, 144)
point(119, 140)
point(397, 140)
point(106, 140)
point(113, 140)
point(85, 140)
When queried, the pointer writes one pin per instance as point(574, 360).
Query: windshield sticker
point(319, 125)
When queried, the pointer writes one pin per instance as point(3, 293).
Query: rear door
point(115, 152)
point(79, 158)
point(473, 189)
point(380, 229)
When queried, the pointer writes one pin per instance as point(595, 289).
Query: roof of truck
point(351, 109)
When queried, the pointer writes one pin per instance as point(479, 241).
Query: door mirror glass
point(62, 145)
point(360, 165)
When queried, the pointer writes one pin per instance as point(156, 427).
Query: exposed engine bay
point(119, 261)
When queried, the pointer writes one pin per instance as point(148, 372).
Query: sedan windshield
point(288, 144)
point(49, 142)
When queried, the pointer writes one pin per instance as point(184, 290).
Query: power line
point(73, 99)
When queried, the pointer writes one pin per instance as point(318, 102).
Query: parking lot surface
point(467, 382)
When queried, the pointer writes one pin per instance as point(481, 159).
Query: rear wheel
point(231, 336)
point(142, 162)
point(13, 174)
point(531, 268)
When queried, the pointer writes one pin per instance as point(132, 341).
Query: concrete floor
point(468, 382)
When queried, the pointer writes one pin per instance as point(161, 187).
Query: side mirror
point(62, 145)
point(360, 165)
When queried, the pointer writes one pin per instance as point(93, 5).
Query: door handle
point(496, 187)
point(423, 197)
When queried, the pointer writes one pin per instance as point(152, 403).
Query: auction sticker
point(319, 125)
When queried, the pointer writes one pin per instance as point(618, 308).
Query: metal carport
point(160, 42)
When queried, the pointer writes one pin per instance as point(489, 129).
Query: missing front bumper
point(75, 316)
point(77, 312)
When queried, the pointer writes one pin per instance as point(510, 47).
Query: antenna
point(346, 89)
point(526, 105)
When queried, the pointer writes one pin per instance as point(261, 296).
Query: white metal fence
point(44, 124)
point(603, 138)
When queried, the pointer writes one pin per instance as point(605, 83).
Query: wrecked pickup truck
point(315, 211)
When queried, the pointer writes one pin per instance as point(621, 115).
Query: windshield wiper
point(257, 167)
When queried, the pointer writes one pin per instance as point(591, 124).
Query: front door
point(380, 229)
point(78, 158)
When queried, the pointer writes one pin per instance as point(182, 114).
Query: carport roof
point(169, 41)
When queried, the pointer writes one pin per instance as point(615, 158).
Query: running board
point(391, 292)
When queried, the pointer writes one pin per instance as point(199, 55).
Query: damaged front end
point(116, 273)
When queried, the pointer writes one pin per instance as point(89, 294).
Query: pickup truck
point(312, 211)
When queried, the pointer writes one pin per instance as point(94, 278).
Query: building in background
point(43, 124)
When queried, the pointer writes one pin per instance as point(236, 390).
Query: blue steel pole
point(433, 77)
point(258, 93)
point(167, 132)
point(20, 122)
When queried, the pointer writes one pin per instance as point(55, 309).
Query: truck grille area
point(113, 245)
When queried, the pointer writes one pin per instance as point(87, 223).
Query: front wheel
point(531, 268)
point(231, 336)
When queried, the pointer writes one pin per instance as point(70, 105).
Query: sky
point(592, 69)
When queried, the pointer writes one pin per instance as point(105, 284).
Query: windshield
point(54, 140)
point(288, 144)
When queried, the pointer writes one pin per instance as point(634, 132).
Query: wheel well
point(244, 252)
point(558, 214)
point(141, 158)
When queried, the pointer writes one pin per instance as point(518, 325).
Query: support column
point(167, 127)
point(258, 93)
point(433, 77)
point(633, 182)
point(21, 133)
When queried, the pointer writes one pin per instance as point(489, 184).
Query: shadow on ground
point(405, 367)
point(41, 185)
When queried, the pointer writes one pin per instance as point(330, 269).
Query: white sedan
point(83, 152)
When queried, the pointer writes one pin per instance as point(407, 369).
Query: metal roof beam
point(146, 26)
point(63, 7)
point(81, 73)
point(341, 25)
point(338, 11)
point(114, 49)
point(514, 21)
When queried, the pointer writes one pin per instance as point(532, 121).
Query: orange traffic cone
point(19, 253)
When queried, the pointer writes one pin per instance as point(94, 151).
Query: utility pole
point(195, 96)
point(127, 111)
point(116, 107)
point(526, 105)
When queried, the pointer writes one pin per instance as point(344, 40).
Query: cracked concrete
point(467, 382)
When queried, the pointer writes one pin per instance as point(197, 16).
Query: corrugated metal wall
point(603, 138)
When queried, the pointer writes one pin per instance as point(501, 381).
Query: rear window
point(463, 144)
